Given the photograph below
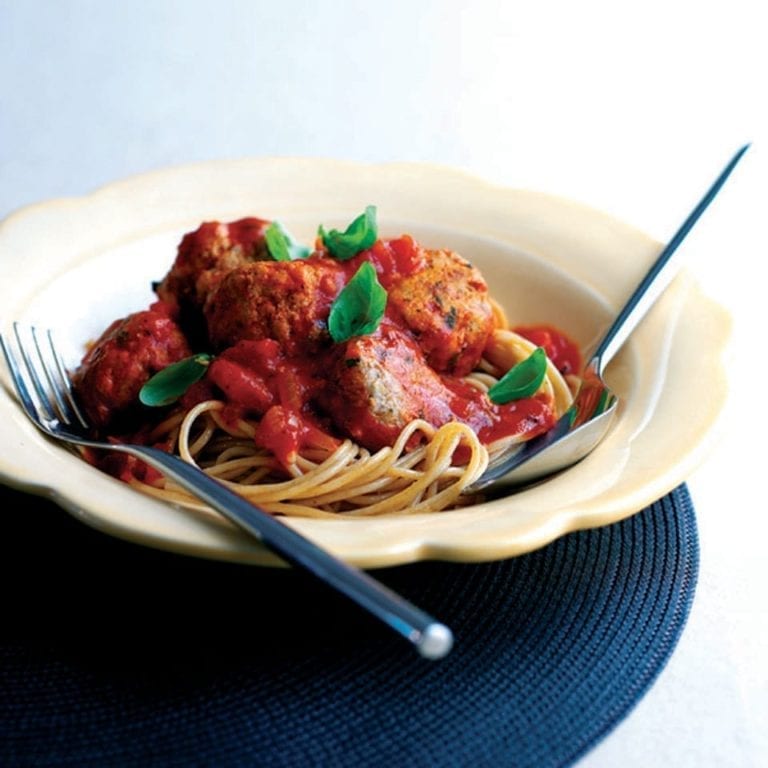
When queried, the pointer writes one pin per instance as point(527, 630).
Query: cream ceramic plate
point(79, 263)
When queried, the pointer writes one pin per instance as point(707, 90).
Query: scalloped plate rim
point(423, 538)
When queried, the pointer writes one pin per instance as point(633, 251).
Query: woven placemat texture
point(117, 655)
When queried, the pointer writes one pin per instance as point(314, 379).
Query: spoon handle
point(657, 279)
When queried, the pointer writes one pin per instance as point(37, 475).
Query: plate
point(79, 263)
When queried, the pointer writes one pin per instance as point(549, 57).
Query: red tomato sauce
point(393, 259)
point(284, 389)
point(257, 379)
point(560, 349)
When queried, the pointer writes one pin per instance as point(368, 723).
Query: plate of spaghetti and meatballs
point(348, 356)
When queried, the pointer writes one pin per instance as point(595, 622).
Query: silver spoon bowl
point(589, 418)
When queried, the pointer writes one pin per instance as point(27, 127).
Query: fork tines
point(40, 376)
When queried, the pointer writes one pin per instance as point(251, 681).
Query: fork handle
point(658, 277)
point(432, 639)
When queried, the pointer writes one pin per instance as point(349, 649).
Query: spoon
point(588, 419)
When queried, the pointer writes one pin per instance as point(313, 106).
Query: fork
point(42, 384)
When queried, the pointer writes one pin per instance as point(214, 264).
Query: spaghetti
point(390, 421)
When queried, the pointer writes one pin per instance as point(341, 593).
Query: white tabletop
point(632, 110)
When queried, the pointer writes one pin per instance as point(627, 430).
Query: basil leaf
point(168, 385)
point(522, 380)
point(358, 236)
point(281, 246)
point(359, 307)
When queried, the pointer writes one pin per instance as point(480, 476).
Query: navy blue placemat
point(117, 655)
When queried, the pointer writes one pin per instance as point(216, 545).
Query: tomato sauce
point(284, 391)
point(492, 422)
point(393, 259)
point(560, 349)
point(285, 432)
point(247, 233)
point(258, 379)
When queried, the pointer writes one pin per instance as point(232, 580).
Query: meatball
point(445, 306)
point(127, 354)
point(209, 252)
point(288, 301)
point(380, 383)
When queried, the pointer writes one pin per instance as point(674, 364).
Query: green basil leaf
point(522, 380)
point(168, 385)
point(359, 307)
point(281, 246)
point(358, 236)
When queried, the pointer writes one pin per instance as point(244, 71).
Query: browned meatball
point(380, 383)
point(127, 354)
point(445, 305)
point(288, 301)
point(209, 252)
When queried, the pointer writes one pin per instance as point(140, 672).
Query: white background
point(630, 108)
